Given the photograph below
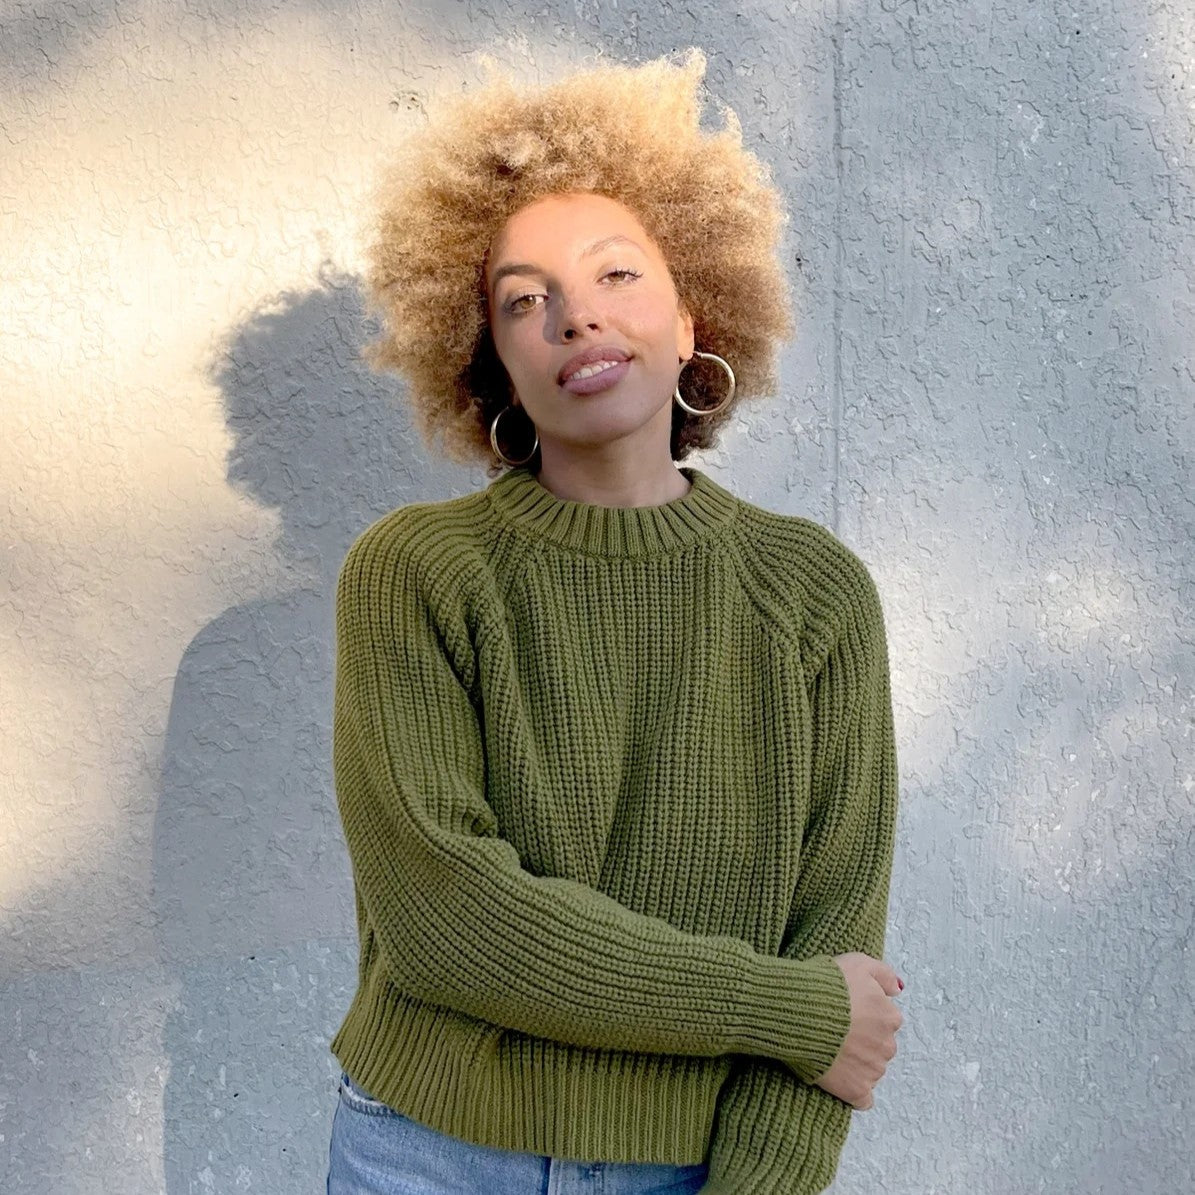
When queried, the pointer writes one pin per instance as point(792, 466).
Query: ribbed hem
point(521, 500)
point(509, 1090)
point(775, 1137)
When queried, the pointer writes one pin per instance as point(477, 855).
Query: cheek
point(663, 336)
point(650, 318)
point(516, 344)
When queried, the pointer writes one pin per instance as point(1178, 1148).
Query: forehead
point(565, 219)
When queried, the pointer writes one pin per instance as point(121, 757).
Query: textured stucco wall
point(991, 399)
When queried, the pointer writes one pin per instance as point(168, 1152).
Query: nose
point(576, 314)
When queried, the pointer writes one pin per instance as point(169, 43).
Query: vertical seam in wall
point(839, 268)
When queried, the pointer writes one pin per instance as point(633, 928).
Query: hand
point(870, 1043)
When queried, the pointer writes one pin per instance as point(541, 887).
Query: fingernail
point(901, 982)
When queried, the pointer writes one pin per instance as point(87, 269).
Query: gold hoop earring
point(729, 393)
point(494, 439)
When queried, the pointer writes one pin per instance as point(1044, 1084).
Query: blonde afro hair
point(630, 133)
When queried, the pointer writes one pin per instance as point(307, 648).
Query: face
point(570, 273)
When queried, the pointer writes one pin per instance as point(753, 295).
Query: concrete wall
point(993, 230)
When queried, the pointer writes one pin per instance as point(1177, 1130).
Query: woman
point(613, 748)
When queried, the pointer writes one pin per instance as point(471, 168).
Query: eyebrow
point(519, 267)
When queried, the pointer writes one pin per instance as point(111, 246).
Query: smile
point(589, 370)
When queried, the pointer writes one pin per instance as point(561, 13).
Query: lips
point(601, 352)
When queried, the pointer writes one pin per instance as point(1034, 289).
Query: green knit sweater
point(616, 784)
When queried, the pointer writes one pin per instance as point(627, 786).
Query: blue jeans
point(378, 1151)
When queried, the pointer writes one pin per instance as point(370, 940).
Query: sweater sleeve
point(457, 920)
point(775, 1133)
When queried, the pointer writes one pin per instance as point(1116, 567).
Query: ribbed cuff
point(797, 1011)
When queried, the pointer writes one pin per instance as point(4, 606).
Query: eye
point(513, 305)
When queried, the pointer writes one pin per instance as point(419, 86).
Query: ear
point(685, 342)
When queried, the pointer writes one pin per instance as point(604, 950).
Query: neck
point(624, 487)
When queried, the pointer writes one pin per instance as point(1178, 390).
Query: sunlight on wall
point(172, 180)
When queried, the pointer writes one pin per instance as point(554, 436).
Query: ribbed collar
point(519, 498)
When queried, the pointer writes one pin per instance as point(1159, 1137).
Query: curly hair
point(630, 133)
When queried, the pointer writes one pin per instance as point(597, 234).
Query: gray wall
point(990, 399)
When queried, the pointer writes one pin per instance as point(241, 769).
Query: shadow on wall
point(248, 853)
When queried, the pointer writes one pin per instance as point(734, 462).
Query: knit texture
point(617, 783)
